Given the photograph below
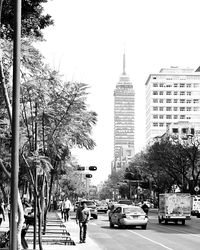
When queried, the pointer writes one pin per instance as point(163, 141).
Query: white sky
point(87, 43)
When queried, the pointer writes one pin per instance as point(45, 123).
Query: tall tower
point(124, 121)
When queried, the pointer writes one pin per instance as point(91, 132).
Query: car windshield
point(125, 202)
point(89, 203)
point(129, 210)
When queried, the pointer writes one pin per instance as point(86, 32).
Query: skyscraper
point(124, 121)
point(172, 96)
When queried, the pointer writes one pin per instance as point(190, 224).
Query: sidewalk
point(71, 227)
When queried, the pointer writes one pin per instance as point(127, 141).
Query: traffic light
point(79, 168)
point(88, 176)
point(92, 168)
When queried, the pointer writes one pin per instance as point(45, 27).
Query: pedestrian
point(145, 207)
point(82, 217)
point(66, 208)
point(2, 212)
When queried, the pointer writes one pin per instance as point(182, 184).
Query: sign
point(196, 188)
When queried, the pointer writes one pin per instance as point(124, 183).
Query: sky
point(87, 44)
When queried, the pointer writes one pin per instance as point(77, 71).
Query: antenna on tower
point(124, 63)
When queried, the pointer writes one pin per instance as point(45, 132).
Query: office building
point(172, 96)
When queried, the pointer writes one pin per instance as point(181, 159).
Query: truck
point(195, 205)
point(175, 207)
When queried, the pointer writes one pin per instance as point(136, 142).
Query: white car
point(102, 207)
point(128, 215)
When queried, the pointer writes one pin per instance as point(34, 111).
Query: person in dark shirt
point(82, 217)
point(145, 207)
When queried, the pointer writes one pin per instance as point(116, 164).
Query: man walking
point(82, 217)
point(66, 208)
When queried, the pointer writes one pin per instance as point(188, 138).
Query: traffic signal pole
point(15, 124)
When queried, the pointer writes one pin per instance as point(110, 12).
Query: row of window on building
point(163, 124)
point(182, 93)
point(189, 101)
point(176, 85)
point(176, 109)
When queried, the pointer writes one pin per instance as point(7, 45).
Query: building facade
point(172, 96)
point(124, 121)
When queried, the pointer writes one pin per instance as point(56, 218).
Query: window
point(196, 108)
point(175, 100)
point(189, 109)
point(155, 116)
point(155, 100)
point(184, 130)
point(175, 130)
point(168, 117)
point(182, 108)
point(161, 108)
point(161, 93)
point(175, 93)
point(175, 108)
point(161, 116)
point(188, 93)
point(182, 100)
point(168, 108)
point(155, 85)
point(155, 124)
point(195, 101)
point(161, 85)
point(168, 101)
point(182, 117)
point(175, 116)
point(188, 85)
point(161, 124)
point(155, 108)
point(182, 93)
point(188, 101)
point(168, 93)
point(182, 85)
point(161, 100)
point(155, 92)
point(175, 85)
point(192, 131)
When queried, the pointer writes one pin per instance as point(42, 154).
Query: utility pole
point(36, 183)
point(15, 124)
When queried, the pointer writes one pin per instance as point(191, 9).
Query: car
point(91, 205)
point(102, 207)
point(128, 215)
point(112, 208)
point(127, 202)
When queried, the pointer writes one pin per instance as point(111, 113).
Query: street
point(156, 237)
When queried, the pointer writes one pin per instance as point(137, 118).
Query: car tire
point(144, 227)
point(111, 225)
point(95, 217)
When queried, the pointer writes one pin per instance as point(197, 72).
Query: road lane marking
point(153, 241)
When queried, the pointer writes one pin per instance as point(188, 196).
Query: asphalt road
point(155, 237)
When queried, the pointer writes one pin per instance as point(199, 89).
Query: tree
point(33, 19)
